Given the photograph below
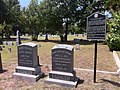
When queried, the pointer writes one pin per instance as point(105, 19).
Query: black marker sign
point(96, 27)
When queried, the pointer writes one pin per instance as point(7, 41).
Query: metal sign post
point(95, 61)
point(96, 31)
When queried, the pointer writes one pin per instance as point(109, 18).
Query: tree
point(59, 12)
point(32, 19)
point(70, 12)
point(9, 14)
point(113, 34)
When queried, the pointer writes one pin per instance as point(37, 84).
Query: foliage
point(10, 10)
point(31, 17)
point(112, 5)
point(113, 38)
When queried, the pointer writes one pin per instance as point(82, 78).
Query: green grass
point(7, 56)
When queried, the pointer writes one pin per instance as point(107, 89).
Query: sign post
point(96, 31)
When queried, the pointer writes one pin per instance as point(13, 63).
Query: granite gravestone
point(0, 63)
point(10, 43)
point(62, 66)
point(28, 67)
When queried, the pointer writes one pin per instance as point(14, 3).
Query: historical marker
point(96, 31)
point(96, 27)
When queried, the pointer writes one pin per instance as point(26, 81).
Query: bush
point(113, 37)
point(113, 42)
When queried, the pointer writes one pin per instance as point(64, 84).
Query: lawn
point(83, 58)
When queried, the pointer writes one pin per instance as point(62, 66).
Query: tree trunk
point(7, 36)
point(61, 38)
point(46, 36)
point(34, 37)
point(2, 34)
point(66, 31)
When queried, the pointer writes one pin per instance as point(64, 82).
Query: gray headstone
point(4, 42)
point(62, 66)
point(77, 47)
point(28, 62)
point(0, 63)
point(18, 42)
point(10, 43)
point(62, 58)
point(9, 49)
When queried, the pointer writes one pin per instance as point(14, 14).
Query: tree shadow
point(69, 42)
point(3, 71)
point(14, 39)
point(111, 82)
point(80, 81)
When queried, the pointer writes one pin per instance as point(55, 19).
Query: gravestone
point(18, 42)
point(28, 67)
point(4, 42)
point(9, 49)
point(0, 63)
point(62, 66)
point(10, 43)
point(77, 47)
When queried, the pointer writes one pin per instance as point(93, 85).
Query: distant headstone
point(77, 47)
point(18, 42)
point(28, 67)
point(9, 49)
point(4, 42)
point(62, 66)
point(10, 43)
point(0, 63)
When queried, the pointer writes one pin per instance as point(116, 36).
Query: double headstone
point(0, 63)
point(62, 66)
point(28, 67)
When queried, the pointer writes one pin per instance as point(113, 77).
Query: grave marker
point(62, 66)
point(28, 66)
point(18, 42)
point(96, 31)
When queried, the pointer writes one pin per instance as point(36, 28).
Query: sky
point(25, 3)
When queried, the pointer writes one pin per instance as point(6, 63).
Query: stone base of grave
point(62, 78)
point(28, 73)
